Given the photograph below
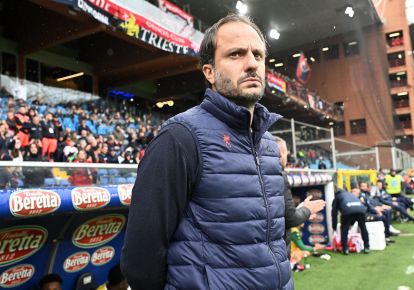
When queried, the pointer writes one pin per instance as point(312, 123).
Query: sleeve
point(299, 243)
point(166, 176)
point(293, 216)
point(334, 213)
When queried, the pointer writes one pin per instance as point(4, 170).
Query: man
point(377, 208)
point(207, 207)
point(393, 183)
point(382, 196)
point(51, 282)
point(374, 213)
point(295, 216)
point(352, 210)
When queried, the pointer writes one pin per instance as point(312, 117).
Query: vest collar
point(238, 117)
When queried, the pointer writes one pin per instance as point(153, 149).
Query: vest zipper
point(259, 173)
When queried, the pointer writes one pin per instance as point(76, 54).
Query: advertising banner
point(276, 83)
point(148, 23)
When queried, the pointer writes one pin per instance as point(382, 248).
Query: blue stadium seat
point(104, 180)
point(64, 182)
point(50, 182)
point(119, 180)
point(130, 179)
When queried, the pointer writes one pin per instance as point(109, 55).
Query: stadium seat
point(50, 182)
point(130, 179)
point(104, 180)
point(119, 180)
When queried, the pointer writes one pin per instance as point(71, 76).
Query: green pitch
point(379, 270)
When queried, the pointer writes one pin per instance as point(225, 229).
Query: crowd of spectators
point(313, 100)
point(91, 132)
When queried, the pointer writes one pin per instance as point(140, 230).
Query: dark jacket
point(347, 204)
point(231, 233)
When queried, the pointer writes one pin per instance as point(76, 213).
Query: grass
point(379, 270)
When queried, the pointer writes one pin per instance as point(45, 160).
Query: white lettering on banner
point(103, 4)
point(34, 202)
point(79, 261)
point(23, 274)
point(91, 231)
point(95, 14)
point(353, 203)
point(23, 243)
point(90, 197)
point(157, 41)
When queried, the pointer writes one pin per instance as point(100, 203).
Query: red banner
point(276, 82)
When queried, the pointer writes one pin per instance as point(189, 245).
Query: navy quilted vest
point(231, 233)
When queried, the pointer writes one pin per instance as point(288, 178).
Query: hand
point(318, 247)
point(386, 207)
point(378, 210)
point(313, 205)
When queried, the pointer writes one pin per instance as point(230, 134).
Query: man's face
point(283, 153)
point(356, 192)
point(364, 186)
point(52, 286)
point(239, 64)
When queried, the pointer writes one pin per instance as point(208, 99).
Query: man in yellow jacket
point(393, 183)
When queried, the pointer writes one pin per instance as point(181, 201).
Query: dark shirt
point(159, 198)
point(35, 131)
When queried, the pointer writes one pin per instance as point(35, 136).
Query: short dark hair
point(208, 44)
point(49, 278)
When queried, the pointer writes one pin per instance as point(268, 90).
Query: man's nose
point(251, 62)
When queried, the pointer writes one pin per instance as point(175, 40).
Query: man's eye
point(258, 56)
point(235, 54)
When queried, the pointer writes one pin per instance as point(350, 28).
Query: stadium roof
point(299, 22)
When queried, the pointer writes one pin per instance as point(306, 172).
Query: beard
point(227, 89)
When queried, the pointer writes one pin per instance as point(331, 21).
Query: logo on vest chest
point(227, 140)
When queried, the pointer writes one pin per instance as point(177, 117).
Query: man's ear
point(208, 72)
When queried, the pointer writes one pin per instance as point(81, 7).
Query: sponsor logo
point(312, 180)
point(305, 180)
point(297, 180)
point(318, 218)
point(124, 193)
point(315, 228)
point(16, 276)
point(88, 198)
point(76, 262)
point(315, 193)
point(33, 202)
point(98, 231)
point(18, 243)
point(316, 239)
point(102, 256)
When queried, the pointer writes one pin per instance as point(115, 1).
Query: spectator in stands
point(113, 156)
point(34, 176)
point(81, 176)
point(51, 282)
point(5, 139)
point(119, 134)
point(50, 133)
point(103, 156)
point(22, 125)
point(11, 122)
point(352, 210)
point(83, 127)
point(35, 130)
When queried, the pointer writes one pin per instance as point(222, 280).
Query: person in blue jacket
point(207, 209)
point(352, 210)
